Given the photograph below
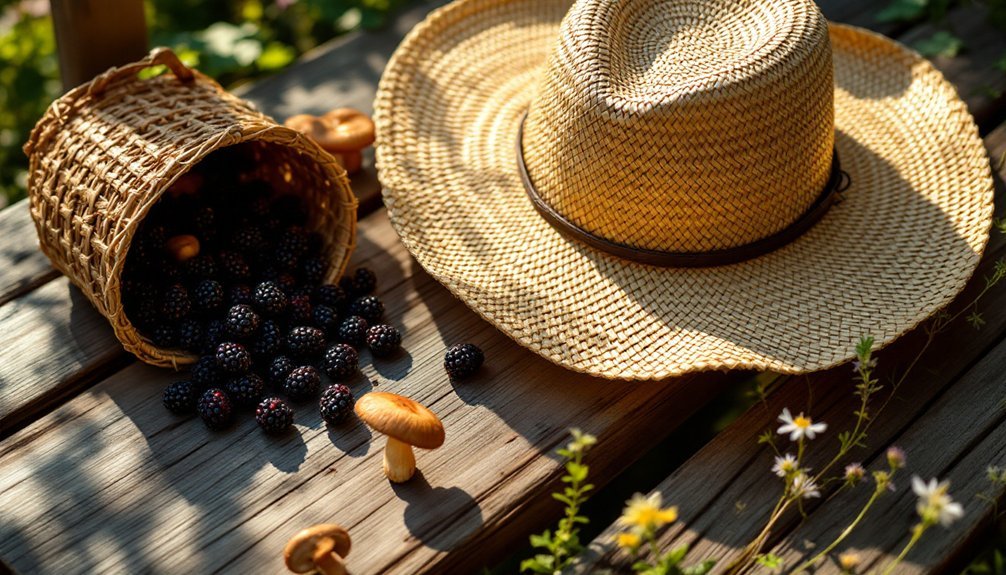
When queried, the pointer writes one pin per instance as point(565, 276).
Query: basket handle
point(157, 57)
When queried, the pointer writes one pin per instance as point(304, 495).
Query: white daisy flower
point(784, 465)
point(800, 426)
point(803, 486)
point(935, 504)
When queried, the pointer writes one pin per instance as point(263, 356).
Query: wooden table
point(96, 476)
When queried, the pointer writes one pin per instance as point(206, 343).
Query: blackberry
point(368, 307)
point(299, 311)
point(233, 357)
point(145, 314)
point(279, 368)
point(463, 360)
point(269, 299)
point(208, 297)
point(240, 294)
point(190, 335)
point(233, 266)
point(336, 402)
point(204, 223)
point(203, 266)
point(242, 321)
point(214, 408)
point(213, 335)
point(286, 282)
point(274, 415)
point(205, 372)
point(180, 397)
point(331, 295)
point(362, 282)
point(176, 304)
point(164, 335)
point(302, 383)
point(383, 340)
point(291, 246)
point(353, 330)
point(305, 341)
point(247, 240)
point(269, 340)
point(245, 389)
point(325, 318)
point(312, 270)
point(340, 361)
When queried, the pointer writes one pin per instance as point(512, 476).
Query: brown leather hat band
point(838, 182)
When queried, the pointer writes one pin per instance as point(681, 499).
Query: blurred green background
point(233, 41)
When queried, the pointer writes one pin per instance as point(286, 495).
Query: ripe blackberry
point(233, 357)
point(269, 299)
point(144, 314)
point(383, 340)
point(286, 282)
point(247, 240)
point(240, 294)
point(180, 397)
point(214, 408)
point(312, 270)
point(299, 310)
point(362, 282)
point(340, 361)
point(269, 340)
point(208, 297)
point(274, 415)
point(176, 304)
point(242, 321)
point(353, 330)
point(331, 295)
point(213, 335)
point(203, 266)
point(336, 403)
point(245, 389)
point(325, 318)
point(290, 248)
point(368, 307)
point(204, 223)
point(164, 335)
point(305, 341)
point(279, 368)
point(463, 360)
point(233, 266)
point(302, 383)
point(190, 335)
point(205, 372)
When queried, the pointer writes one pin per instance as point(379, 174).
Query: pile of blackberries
point(234, 276)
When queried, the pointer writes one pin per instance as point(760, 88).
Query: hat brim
point(900, 245)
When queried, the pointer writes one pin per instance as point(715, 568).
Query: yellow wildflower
point(848, 561)
point(629, 540)
point(647, 512)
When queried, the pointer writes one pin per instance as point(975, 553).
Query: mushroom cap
point(402, 418)
point(299, 551)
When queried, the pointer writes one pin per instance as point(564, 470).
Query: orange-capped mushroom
point(406, 423)
point(321, 548)
point(352, 130)
point(183, 248)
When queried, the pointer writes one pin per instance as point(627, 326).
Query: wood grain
point(725, 492)
point(23, 267)
point(125, 486)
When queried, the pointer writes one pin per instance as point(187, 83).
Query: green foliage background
point(232, 40)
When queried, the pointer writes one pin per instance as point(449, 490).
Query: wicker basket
point(105, 152)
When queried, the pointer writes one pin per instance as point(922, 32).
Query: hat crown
point(684, 125)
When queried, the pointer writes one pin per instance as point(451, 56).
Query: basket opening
point(253, 212)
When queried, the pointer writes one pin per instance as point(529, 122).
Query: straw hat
point(641, 189)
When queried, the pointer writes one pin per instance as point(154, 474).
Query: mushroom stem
point(399, 461)
point(327, 561)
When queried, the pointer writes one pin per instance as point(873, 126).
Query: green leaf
point(770, 561)
point(941, 43)
point(537, 564)
point(563, 498)
point(903, 11)
point(700, 568)
point(543, 540)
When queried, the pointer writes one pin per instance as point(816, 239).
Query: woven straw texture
point(899, 245)
point(104, 153)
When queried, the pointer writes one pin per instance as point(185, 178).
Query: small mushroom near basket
point(407, 424)
point(320, 548)
point(343, 132)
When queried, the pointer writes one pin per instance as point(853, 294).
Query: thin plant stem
point(916, 535)
point(845, 533)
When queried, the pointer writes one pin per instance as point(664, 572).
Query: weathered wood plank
point(725, 492)
point(128, 487)
point(23, 267)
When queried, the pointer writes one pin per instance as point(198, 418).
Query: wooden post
point(94, 35)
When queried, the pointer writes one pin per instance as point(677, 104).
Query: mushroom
point(319, 548)
point(184, 247)
point(343, 130)
point(407, 424)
